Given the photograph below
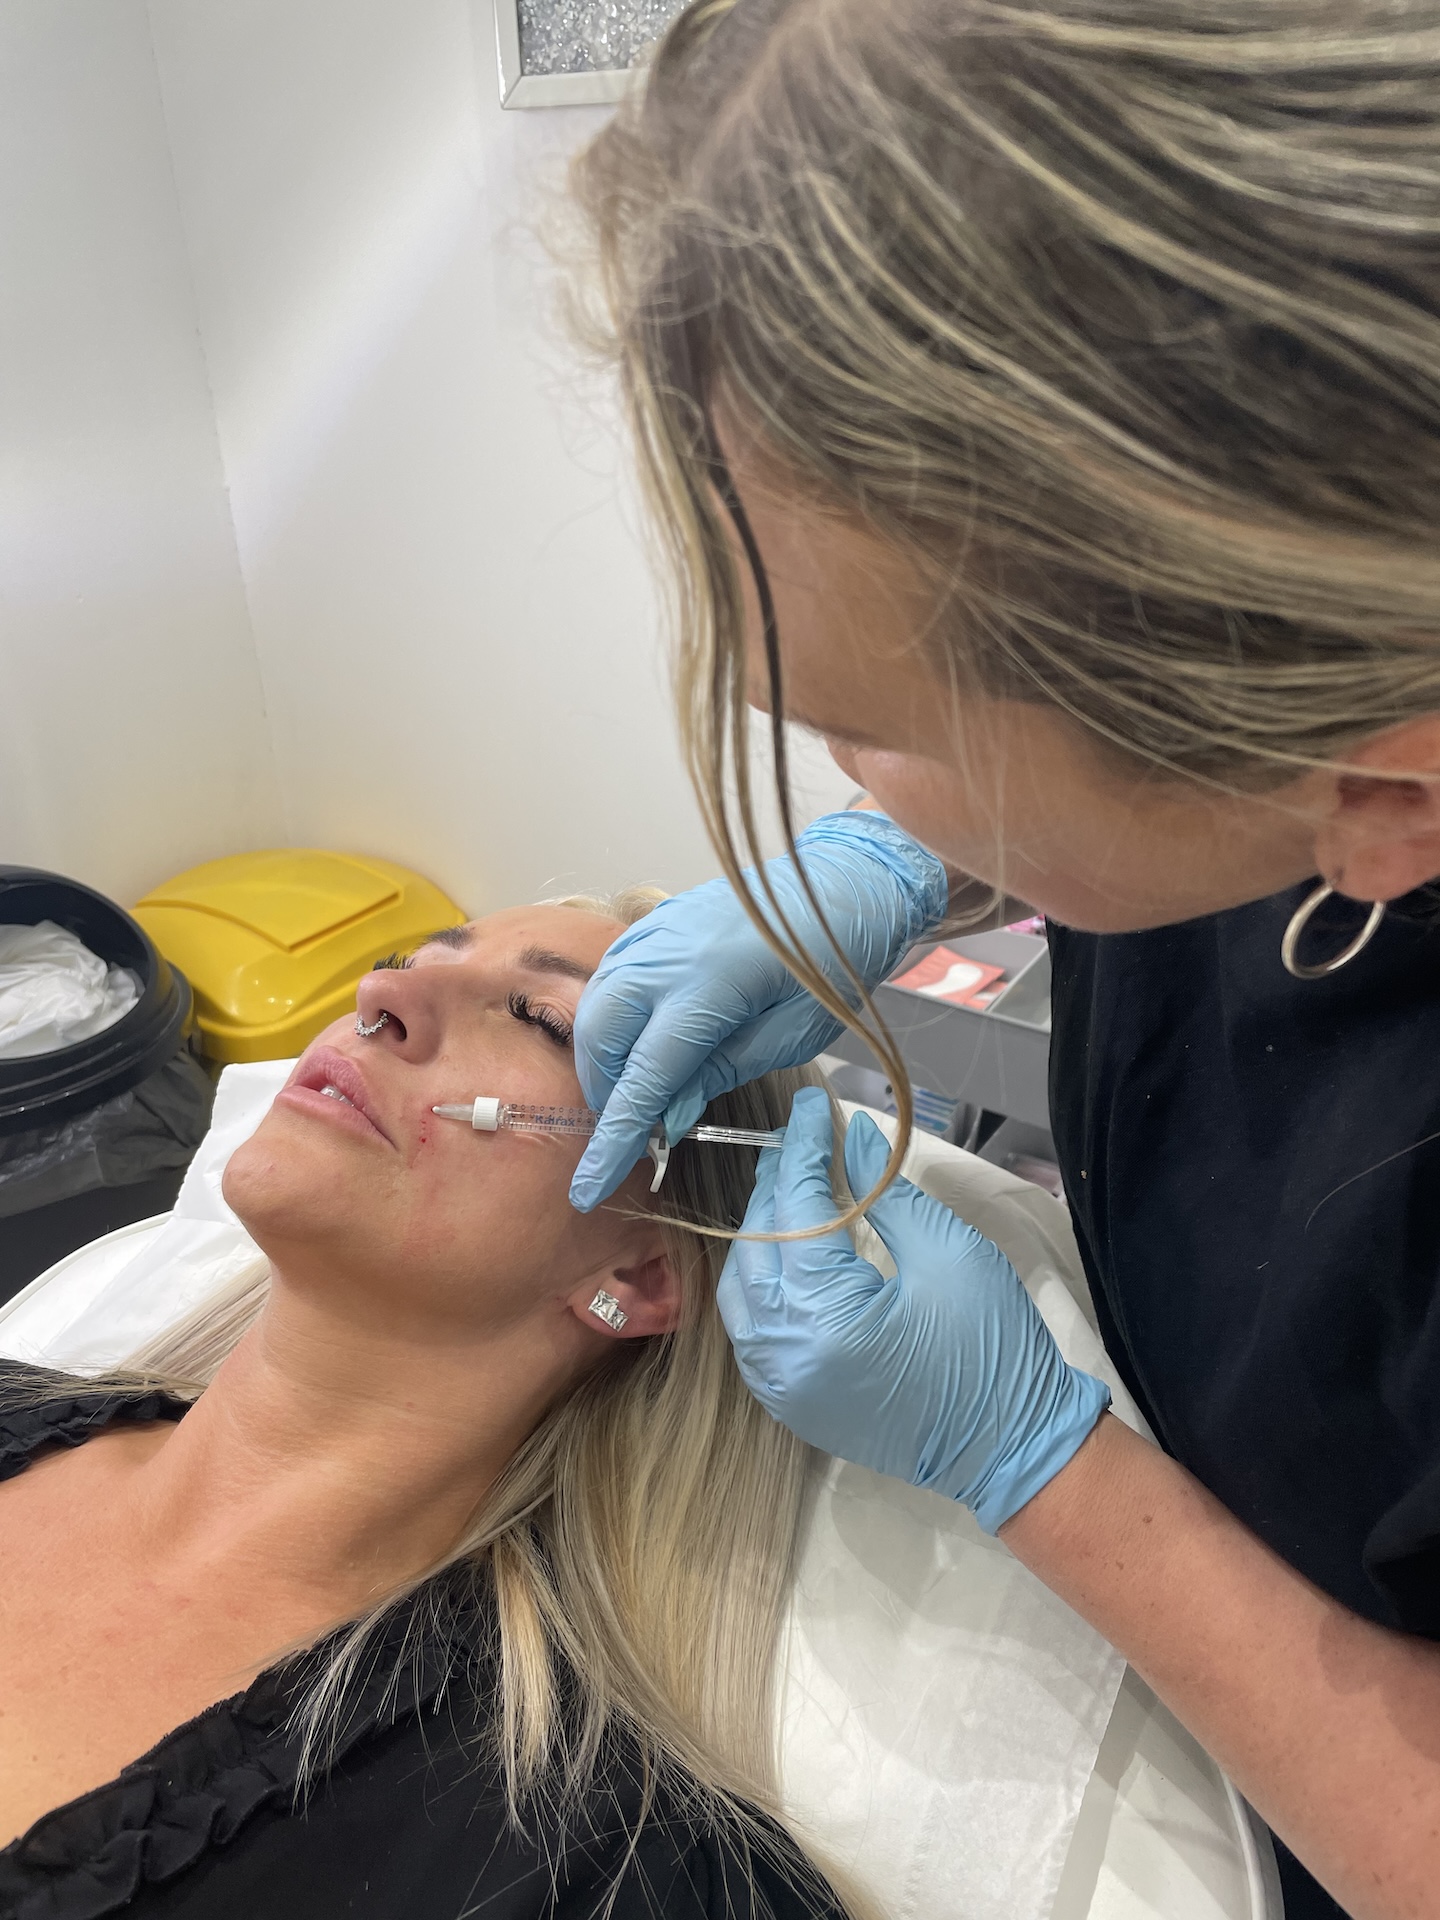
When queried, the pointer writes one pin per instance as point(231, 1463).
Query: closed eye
point(551, 1023)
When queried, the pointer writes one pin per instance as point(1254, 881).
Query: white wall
point(133, 738)
point(449, 610)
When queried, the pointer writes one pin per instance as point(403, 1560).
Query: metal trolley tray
point(998, 1058)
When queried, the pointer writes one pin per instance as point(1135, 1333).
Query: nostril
point(367, 1029)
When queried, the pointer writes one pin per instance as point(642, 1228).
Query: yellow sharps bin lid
point(273, 943)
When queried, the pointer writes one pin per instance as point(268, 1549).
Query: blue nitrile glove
point(945, 1376)
point(690, 1002)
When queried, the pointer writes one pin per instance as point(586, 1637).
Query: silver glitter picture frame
point(521, 85)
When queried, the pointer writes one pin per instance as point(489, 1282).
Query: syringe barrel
point(520, 1118)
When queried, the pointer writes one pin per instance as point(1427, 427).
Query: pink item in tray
point(947, 975)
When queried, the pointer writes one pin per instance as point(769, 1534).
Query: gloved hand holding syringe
point(944, 1374)
point(489, 1114)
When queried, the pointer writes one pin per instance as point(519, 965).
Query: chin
point(278, 1189)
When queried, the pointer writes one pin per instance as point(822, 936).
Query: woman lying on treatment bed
point(533, 1564)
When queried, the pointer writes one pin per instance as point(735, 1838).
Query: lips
point(327, 1082)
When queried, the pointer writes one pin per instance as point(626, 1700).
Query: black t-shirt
point(1253, 1166)
point(408, 1824)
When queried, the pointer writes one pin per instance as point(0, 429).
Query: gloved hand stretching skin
point(690, 1002)
point(945, 1376)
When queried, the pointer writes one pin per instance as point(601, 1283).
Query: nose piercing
point(607, 1308)
point(367, 1033)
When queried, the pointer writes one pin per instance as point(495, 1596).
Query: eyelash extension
point(560, 1031)
point(395, 960)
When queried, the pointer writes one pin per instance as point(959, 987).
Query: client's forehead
point(536, 939)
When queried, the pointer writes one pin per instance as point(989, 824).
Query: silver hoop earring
point(607, 1308)
point(1300, 919)
point(368, 1033)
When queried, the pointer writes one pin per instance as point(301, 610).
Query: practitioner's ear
point(645, 1291)
point(1380, 837)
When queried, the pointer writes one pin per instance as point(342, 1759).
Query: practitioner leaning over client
point(528, 1568)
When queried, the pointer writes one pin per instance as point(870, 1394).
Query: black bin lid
point(54, 1086)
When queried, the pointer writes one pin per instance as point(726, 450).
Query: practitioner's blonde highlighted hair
point(1120, 318)
point(640, 1545)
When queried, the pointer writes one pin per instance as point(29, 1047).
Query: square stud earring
point(607, 1308)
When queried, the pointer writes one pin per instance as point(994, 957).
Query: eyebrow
point(447, 937)
point(530, 959)
point(546, 960)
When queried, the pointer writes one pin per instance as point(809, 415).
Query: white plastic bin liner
point(55, 991)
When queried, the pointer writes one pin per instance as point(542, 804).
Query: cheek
point(936, 803)
point(845, 757)
point(474, 1227)
point(491, 1202)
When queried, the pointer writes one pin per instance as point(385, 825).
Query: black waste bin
point(99, 1134)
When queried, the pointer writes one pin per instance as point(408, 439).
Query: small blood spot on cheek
point(424, 1133)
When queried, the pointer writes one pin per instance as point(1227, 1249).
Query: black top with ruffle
point(408, 1823)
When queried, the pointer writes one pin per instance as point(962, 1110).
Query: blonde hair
point(639, 1547)
point(1121, 318)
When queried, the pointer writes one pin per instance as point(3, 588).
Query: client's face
point(376, 1192)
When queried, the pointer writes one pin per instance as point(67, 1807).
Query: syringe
point(488, 1114)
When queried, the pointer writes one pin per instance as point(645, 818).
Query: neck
point(339, 1460)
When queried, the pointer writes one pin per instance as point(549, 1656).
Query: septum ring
point(368, 1033)
point(1300, 919)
